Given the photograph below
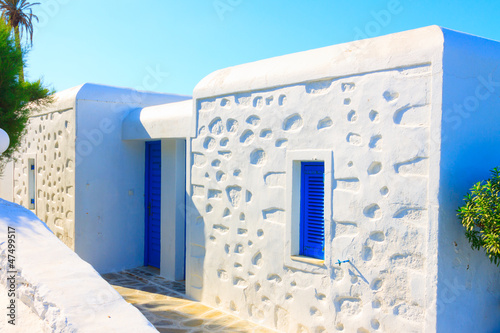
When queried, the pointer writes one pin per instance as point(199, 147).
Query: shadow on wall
point(132, 126)
point(195, 249)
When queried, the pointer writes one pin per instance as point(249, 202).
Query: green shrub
point(17, 97)
point(481, 216)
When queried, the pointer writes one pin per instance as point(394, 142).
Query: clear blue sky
point(121, 42)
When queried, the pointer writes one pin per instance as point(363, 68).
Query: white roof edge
point(113, 94)
point(172, 120)
point(67, 99)
point(62, 100)
point(390, 51)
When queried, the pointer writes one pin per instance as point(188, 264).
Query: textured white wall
point(377, 125)
point(50, 141)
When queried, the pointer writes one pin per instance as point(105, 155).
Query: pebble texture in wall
point(50, 142)
point(377, 125)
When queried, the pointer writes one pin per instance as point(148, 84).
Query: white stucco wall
point(110, 177)
point(372, 105)
point(468, 284)
point(49, 140)
point(173, 220)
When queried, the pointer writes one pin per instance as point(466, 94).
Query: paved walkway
point(166, 306)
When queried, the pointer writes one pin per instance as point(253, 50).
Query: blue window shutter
point(312, 208)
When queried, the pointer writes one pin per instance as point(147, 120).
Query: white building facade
point(378, 116)
point(81, 170)
point(313, 192)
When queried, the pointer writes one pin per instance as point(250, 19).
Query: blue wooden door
point(152, 249)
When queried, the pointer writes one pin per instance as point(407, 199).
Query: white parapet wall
point(64, 291)
point(371, 110)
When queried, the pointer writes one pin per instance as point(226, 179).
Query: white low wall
point(63, 290)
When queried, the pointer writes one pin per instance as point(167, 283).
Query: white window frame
point(293, 259)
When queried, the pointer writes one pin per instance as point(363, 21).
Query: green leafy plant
point(481, 216)
point(17, 97)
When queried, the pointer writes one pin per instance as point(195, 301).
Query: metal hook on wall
point(341, 262)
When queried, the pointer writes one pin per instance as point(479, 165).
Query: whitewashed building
point(318, 190)
point(82, 167)
point(403, 125)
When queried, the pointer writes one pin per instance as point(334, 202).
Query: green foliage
point(481, 216)
point(16, 97)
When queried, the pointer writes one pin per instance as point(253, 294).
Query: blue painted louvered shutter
point(312, 208)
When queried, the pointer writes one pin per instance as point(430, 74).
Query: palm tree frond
point(18, 14)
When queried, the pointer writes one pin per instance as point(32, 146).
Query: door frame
point(173, 213)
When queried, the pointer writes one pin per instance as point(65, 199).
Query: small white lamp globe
point(4, 141)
